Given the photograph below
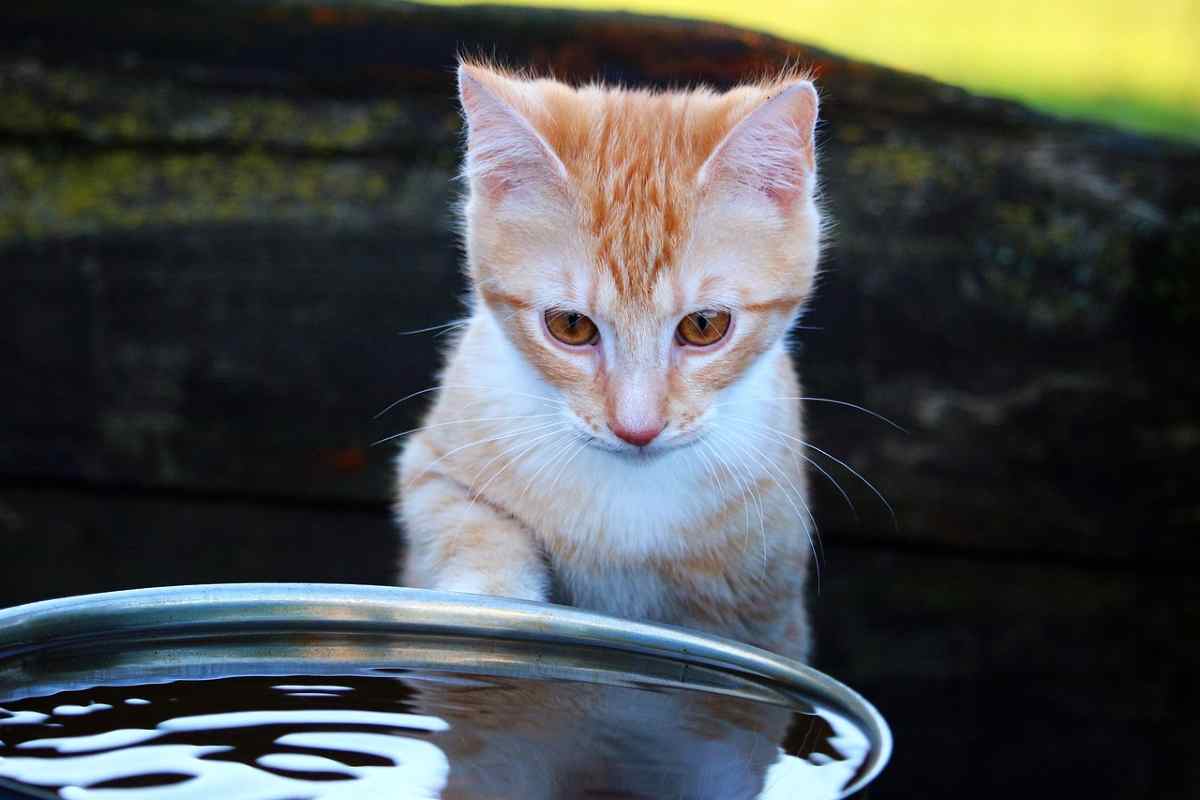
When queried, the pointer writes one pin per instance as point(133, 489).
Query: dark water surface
point(408, 734)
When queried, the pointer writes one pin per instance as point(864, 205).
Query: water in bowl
point(404, 734)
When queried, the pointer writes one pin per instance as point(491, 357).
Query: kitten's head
point(642, 250)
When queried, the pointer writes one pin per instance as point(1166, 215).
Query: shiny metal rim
point(178, 610)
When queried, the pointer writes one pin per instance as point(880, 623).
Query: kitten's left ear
point(771, 150)
point(504, 150)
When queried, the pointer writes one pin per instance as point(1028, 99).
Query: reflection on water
point(421, 735)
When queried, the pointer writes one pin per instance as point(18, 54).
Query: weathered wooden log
point(214, 222)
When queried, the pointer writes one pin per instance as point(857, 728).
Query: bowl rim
point(177, 610)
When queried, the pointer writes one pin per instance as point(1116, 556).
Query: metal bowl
point(212, 631)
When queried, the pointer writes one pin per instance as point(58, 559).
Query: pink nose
point(639, 436)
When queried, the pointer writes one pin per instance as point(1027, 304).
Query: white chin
point(655, 448)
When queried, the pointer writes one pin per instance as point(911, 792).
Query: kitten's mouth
point(649, 452)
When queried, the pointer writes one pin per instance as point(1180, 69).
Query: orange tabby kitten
point(609, 431)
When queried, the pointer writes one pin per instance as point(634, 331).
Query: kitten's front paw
point(517, 587)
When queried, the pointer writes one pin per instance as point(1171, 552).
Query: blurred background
point(1129, 64)
point(217, 220)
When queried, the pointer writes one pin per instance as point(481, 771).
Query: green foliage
point(1128, 64)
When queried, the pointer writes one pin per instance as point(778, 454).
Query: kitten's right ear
point(771, 150)
point(505, 153)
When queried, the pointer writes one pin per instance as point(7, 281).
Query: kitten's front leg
point(460, 543)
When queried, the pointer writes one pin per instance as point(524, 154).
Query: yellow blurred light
point(1132, 64)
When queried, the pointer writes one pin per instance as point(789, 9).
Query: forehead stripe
point(496, 297)
point(778, 304)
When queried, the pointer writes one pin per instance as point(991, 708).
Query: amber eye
point(702, 328)
point(571, 327)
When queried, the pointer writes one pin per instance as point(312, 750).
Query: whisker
point(772, 463)
point(446, 332)
point(733, 474)
point(477, 442)
point(721, 489)
point(530, 446)
point(811, 531)
point(855, 473)
point(554, 457)
point(429, 389)
point(845, 495)
point(797, 457)
point(461, 422)
point(854, 406)
point(708, 467)
point(582, 510)
point(406, 398)
point(844, 466)
point(755, 495)
point(457, 323)
point(583, 443)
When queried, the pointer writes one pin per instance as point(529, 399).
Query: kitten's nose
point(639, 436)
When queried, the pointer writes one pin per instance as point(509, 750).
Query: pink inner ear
point(504, 152)
point(498, 183)
point(771, 150)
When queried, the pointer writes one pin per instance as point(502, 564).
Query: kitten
point(616, 426)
